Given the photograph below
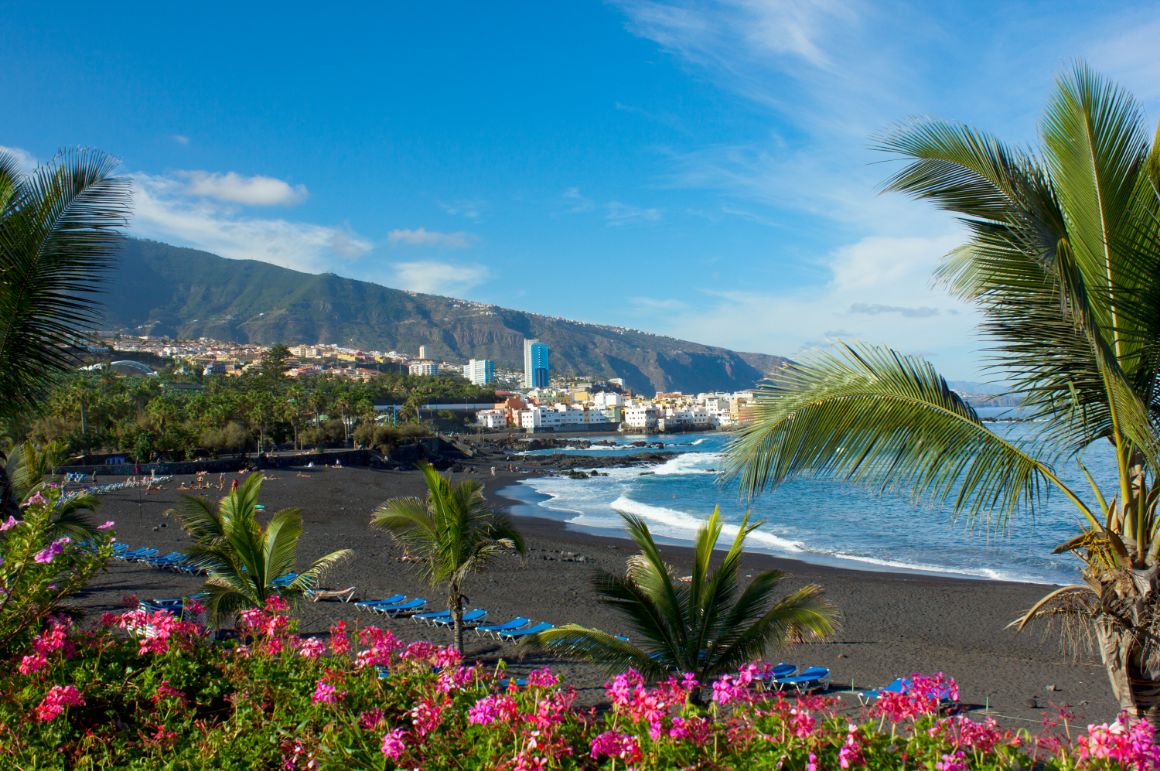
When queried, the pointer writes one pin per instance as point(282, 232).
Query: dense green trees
point(180, 416)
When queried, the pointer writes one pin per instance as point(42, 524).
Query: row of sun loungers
point(399, 605)
point(182, 563)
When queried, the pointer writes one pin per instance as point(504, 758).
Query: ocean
point(818, 521)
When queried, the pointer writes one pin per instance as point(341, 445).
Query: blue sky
point(697, 169)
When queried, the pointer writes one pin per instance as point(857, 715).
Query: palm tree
point(705, 625)
point(26, 466)
point(1063, 263)
point(245, 561)
point(453, 533)
point(59, 228)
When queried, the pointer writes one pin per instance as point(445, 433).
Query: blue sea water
point(818, 521)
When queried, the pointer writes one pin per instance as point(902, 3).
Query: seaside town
point(530, 400)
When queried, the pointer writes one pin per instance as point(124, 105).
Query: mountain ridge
point(159, 289)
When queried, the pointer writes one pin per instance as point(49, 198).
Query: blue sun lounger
point(809, 679)
point(283, 581)
point(519, 634)
point(779, 672)
point(470, 617)
point(139, 555)
point(394, 599)
point(507, 626)
point(403, 607)
point(899, 685)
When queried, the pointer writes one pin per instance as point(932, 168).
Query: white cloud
point(1128, 55)
point(654, 304)
point(250, 191)
point(424, 237)
point(471, 209)
point(875, 290)
point(578, 203)
point(180, 139)
point(25, 160)
point(442, 278)
point(164, 211)
point(617, 213)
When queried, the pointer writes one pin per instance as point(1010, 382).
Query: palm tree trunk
point(9, 506)
point(455, 605)
point(1128, 647)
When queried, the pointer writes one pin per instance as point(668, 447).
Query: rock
point(1052, 687)
point(1032, 703)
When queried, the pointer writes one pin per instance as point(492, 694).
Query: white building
point(480, 372)
point(491, 419)
point(424, 368)
point(640, 417)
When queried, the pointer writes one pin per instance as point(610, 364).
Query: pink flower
point(32, 664)
point(34, 499)
point(953, 762)
point(542, 678)
point(1129, 743)
point(8, 524)
point(851, 752)
point(56, 700)
point(106, 525)
point(491, 709)
point(812, 765)
point(426, 716)
point(52, 551)
point(611, 744)
point(393, 744)
point(339, 642)
point(325, 693)
point(370, 720)
point(311, 648)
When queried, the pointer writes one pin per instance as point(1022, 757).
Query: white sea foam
point(690, 463)
point(678, 525)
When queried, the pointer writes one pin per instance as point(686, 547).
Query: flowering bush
point(143, 690)
point(39, 566)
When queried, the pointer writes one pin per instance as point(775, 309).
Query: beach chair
point(132, 554)
point(779, 672)
point(142, 555)
point(164, 560)
point(470, 617)
point(899, 685)
point(506, 683)
point(404, 607)
point(519, 634)
point(494, 629)
point(281, 582)
point(809, 679)
point(370, 604)
point(338, 595)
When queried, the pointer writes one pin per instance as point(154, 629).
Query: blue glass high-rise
point(535, 364)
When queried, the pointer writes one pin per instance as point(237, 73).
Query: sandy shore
point(893, 624)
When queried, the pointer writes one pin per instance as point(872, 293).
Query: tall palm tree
point(245, 560)
point(453, 532)
point(706, 625)
point(1063, 263)
point(59, 228)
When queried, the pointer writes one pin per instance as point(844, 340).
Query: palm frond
point(598, 647)
point(59, 228)
point(875, 417)
point(311, 577)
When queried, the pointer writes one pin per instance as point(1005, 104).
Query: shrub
point(142, 691)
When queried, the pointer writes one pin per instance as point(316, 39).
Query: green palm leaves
point(59, 227)
point(245, 561)
point(1063, 262)
point(705, 625)
point(453, 533)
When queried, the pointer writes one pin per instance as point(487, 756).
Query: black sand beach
point(893, 624)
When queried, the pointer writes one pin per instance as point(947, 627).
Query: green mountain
point(158, 289)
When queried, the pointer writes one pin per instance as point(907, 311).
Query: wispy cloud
point(469, 208)
point(433, 238)
point(165, 210)
point(236, 188)
point(577, 202)
point(877, 309)
point(180, 139)
point(655, 304)
point(442, 278)
point(617, 213)
point(25, 160)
